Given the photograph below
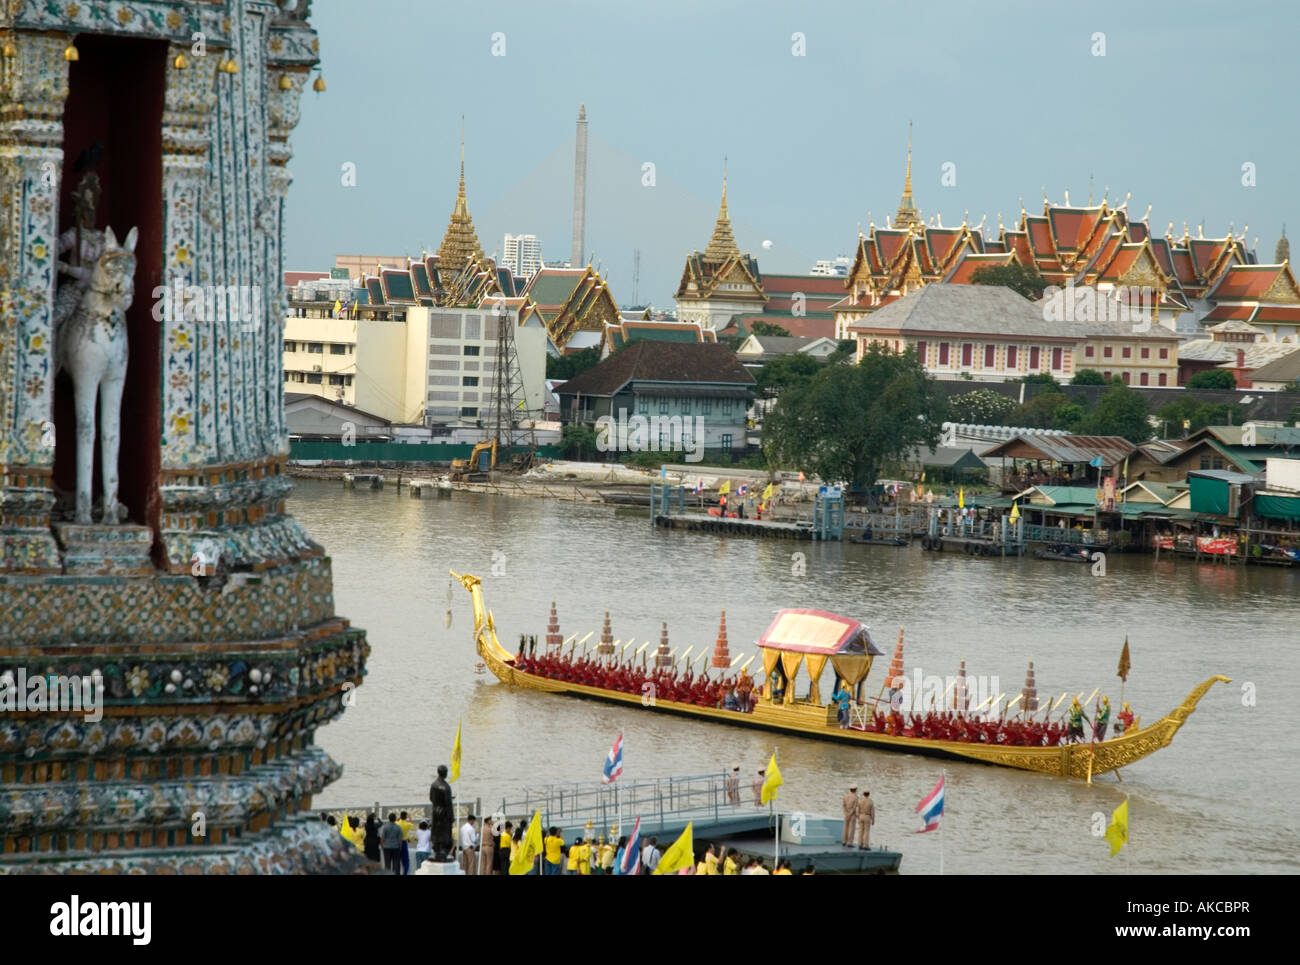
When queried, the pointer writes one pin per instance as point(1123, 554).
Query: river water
point(1221, 798)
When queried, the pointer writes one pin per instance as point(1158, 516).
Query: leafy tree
point(578, 440)
point(1021, 280)
point(1213, 379)
point(767, 328)
point(1119, 412)
point(1088, 377)
point(849, 420)
point(1038, 378)
point(780, 373)
point(1040, 412)
point(1069, 417)
point(845, 351)
point(1197, 414)
point(982, 407)
point(568, 366)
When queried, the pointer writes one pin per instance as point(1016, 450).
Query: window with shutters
point(990, 353)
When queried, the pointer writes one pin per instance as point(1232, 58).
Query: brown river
point(1222, 798)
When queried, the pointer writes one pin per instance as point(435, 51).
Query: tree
point(577, 440)
point(1197, 414)
point(849, 420)
point(1213, 379)
point(1088, 377)
point(767, 328)
point(1119, 412)
point(845, 351)
point(780, 373)
point(1040, 412)
point(568, 366)
point(982, 407)
point(1038, 378)
point(1021, 280)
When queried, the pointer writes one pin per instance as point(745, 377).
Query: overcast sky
point(1012, 95)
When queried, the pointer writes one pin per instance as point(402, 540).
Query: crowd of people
point(390, 842)
point(725, 692)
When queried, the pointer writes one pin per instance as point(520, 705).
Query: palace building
point(1193, 282)
point(192, 603)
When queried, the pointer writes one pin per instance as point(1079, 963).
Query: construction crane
point(506, 433)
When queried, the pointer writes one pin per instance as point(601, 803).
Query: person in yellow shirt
point(553, 844)
point(573, 856)
point(504, 847)
point(579, 857)
point(729, 865)
point(711, 861)
point(783, 869)
point(408, 841)
point(607, 852)
point(355, 834)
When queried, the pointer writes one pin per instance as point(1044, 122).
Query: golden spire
point(460, 242)
point(723, 244)
point(908, 216)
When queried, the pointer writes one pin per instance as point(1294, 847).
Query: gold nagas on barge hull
point(817, 637)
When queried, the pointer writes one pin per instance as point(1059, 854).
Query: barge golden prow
point(814, 638)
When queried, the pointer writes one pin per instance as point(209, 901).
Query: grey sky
point(1008, 92)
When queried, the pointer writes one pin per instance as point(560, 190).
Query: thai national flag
point(699, 486)
point(614, 762)
point(744, 488)
point(931, 808)
point(632, 853)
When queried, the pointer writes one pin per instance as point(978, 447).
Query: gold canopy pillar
point(816, 664)
point(790, 665)
point(771, 657)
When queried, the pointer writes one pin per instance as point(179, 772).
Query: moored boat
point(818, 638)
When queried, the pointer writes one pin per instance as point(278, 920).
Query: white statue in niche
point(90, 341)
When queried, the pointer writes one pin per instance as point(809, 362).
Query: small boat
point(1065, 553)
point(821, 637)
point(880, 540)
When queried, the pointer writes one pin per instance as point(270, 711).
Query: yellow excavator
point(461, 468)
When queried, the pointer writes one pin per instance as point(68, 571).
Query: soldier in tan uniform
point(851, 803)
point(866, 818)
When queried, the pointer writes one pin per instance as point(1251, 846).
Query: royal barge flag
point(528, 850)
point(931, 808)
point(614, 762)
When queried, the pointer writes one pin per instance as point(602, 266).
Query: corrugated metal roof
point(1068, 448)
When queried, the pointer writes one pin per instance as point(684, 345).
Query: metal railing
point(604, 806)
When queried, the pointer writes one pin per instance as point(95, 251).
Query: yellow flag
point(338, 307)
point(680, 855)
point(1015, 512)
point(772, 781)
point(767, 493)
point(961, 498)
point(1117, 833)
point(455, 755)
point(529, 848)
point(724, 488)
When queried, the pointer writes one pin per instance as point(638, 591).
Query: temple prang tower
point(207, 613)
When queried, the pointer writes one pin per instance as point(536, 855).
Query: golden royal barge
point(817, 637)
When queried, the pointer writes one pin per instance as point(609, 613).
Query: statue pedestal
point(431, 867)
point(99, 550)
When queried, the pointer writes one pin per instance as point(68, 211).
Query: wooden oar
point(737, 660)
point(637, 652)
point(744, 665)
point(686, 654)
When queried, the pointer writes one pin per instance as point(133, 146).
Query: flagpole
point(943, 775)
point(776, 837)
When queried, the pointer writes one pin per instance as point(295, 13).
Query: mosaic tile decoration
point(59, 610)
